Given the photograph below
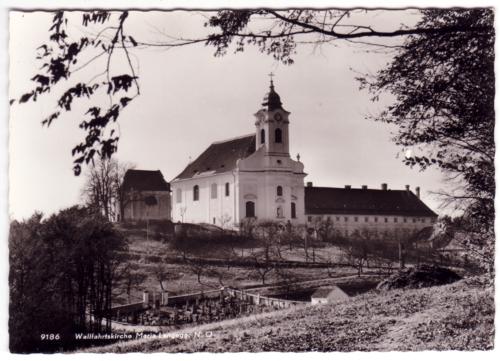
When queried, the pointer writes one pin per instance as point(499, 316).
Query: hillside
point(459, 316)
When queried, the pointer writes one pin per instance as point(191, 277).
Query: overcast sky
point(190, 99)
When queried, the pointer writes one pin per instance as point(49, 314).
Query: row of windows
point(213, 192)
point(250, 210)
point(375, 219)
point(348, 233)
point(278, 136)
point(196, 192)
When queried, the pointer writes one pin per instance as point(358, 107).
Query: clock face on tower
point(277, 116)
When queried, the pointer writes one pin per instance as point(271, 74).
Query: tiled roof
point(145, 180)
point(322, 200)
point(220, 157)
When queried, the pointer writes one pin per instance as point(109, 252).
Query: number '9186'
point(50, 336)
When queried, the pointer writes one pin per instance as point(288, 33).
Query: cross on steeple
point(271, 74)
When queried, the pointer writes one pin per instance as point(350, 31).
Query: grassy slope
point(458, 316)
point(182, 280)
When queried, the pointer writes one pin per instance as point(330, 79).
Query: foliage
point(62, 55)
point(444, 89)
point(274, 32)
point(60, 269)
point(103, 188)
point(465, 240)
point(277, 32)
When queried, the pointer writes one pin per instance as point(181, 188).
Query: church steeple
point(272, 124)
point(272, 100)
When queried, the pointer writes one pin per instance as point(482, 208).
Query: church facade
point(254, 177)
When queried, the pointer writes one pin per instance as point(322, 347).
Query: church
point(254, 177)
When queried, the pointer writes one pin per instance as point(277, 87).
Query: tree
point(275, 32)
point(162, 274)
point(444, 88)
point(103, 187)
point(61, 269)
point(131, 278)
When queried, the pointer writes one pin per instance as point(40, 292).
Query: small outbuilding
point(329, 294)
point(146, 196)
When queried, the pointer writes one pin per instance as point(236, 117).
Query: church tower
point(272, 125)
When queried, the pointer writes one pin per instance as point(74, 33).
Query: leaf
point(124, 101)
point(77, 169)
point(80, 159)
point(132, 40)
point(26, 97)
point(48, 121)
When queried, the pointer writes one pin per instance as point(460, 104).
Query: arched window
point(213, 191)
point(277, 135)
point(262, 136)
point(250, 209)
point(293, 211)
point(196, 193)
point(279, 191)
point(226, 189)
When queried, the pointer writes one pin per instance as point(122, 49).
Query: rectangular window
point(386, 220)
point(309, 218)
point(213, 191)
point(355, 219)
point(423, 220)
point(367, 219)
point(346, 219)
point(395, 219)
point(196, 193)
point(404, 220)
point(375, 219)
point(227, 189)
point(337, 219)
point(414, 220)
point(178, 195)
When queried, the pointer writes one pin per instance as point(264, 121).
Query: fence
point(257, 299)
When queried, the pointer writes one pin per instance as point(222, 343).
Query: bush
point(419, 277)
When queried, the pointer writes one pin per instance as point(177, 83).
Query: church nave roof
point(220, 157)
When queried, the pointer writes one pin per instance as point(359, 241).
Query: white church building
point(253, 176)
point(249, 176)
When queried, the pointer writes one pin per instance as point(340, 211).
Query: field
point(146, 256)
point(458, 316)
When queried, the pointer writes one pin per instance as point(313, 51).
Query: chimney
point(145, 298)
point(384, 186)
point(407, 188)
point(309, 184)
point(417, 190)
point(347, 186)
point(364, 187)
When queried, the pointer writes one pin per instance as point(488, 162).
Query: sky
point(189, 99)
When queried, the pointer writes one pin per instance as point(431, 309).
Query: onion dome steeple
point(272, 100)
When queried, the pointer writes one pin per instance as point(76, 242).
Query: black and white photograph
point(228, 179)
